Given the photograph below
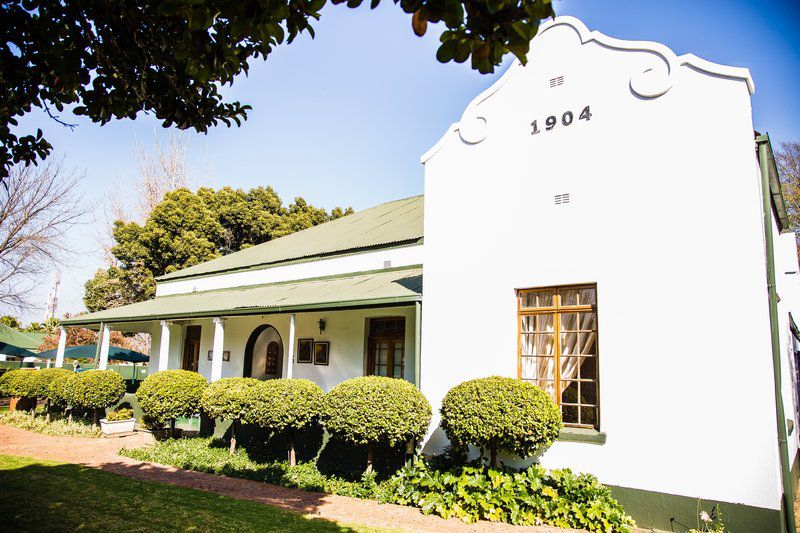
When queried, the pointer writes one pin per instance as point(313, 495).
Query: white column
point(106, 337)
point(62, 345)
point(216, 354)
point(163, 348)
point(290, 353)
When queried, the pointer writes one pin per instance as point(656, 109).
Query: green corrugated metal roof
point(23, 339)
point(382, 287)
point(393, 223)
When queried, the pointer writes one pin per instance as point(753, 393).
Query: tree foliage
point(169, 394)
point(500, 413)
point(788, 161)
point(82, 337)
point(188, 228)
point(110, 60)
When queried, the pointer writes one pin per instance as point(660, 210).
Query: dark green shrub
point(500, 413)
point(97, 389)
point(169, 394)
point(284, 406)
point(225, 399)
point(529, 496)
point(371, 410)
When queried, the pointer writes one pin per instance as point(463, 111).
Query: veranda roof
point(390, 224)
point(88, 351)
point(347, 291)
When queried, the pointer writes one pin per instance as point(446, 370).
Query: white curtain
point(575, 344)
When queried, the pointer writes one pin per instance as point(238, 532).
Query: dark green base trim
point(668, 512)
point(582, 435)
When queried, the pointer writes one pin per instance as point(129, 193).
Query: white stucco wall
point(345, 330)
point(664, 216)
point(359, 262)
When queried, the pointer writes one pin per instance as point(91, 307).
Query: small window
point(558, 348)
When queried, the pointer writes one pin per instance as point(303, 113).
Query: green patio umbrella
point(10, 349)
point(89, 351)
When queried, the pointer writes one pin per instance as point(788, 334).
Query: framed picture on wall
point(321, 353)
point(226, 355)
point(305, 350)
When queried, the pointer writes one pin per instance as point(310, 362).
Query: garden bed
point(58, 425)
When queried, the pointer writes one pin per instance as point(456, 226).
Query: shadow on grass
point(44, 496)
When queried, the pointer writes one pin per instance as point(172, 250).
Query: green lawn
point(40, 495)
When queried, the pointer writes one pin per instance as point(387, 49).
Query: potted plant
point(120, 420)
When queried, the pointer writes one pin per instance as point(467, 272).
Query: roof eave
point(776, 193)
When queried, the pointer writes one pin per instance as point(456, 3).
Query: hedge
point(225, 399)
point(169, 394)
point(20, 383)
point(61, 391)
point(500, 413)
point(284, 405)
point(370, 410)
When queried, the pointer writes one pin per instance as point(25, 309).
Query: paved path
point(102, 454)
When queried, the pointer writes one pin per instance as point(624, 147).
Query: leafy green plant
point(57, 426)
point(20, 383)
point(284, 405)
point(120, 414)
point(97, 389)
point(61, 391)
point(371, 410)
point(529, 496)
point(211, 456)
point(43, 380)
point(226, 399)
point(169, 394)
point(500, 413)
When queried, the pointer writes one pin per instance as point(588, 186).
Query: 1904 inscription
point(567, 119)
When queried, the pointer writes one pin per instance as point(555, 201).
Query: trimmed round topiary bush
point(20, 383)
point(371, 410)
point(284, 405)
point(226, 399)
point(500, 413)
point(61, 392)
point(42, 381)
point(169, 394)
point(97, 389)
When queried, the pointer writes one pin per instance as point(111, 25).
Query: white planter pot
point(117, 426)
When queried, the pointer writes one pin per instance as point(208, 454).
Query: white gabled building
point(595, 223)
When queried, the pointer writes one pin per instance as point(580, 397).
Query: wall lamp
point(321, 325)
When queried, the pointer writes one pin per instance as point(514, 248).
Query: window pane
point(588, 393)
point(589, 416)
point(589, 368)
point(570, 394)
point(548, 386)
point(398, 371)
point(569, 296)
point(569, 321)
point(540, 323)
point(569, 414)
point(587, 296)
point(587, 343)
point(538, 368)
point(537, 344)
point(569, 343)
point(537, 298)
point(588, 321)
point(569, 368)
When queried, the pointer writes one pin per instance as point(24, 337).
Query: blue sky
point(343, 119)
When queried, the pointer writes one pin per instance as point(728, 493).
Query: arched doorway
point(263, 354)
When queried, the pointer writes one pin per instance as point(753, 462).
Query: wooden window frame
point(557, 310)
point(390, 340)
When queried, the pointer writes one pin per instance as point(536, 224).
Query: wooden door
point(386, 347)
point(191, 348)
point(273, 358)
